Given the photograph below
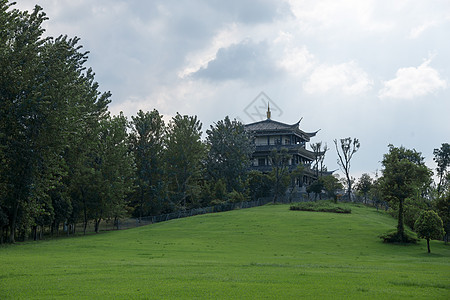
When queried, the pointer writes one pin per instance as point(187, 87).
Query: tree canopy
point(404, 175)
point(429, 226)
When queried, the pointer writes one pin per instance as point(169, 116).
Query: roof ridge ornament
point(268, 111)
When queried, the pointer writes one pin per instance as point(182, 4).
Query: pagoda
point(272, 135)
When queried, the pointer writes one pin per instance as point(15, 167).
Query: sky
point(374, 70)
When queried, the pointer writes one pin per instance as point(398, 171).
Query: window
point(261, 161)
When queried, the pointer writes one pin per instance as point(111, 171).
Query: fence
point(136, 222)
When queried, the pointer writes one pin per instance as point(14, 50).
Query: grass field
point(266, 252)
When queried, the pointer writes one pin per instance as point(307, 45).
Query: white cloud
point(346, 78)
point(296, 61)
point(344, 18)
point(413, 82)
point(418, 30)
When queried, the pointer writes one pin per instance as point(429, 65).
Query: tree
point(442, 207)
point(259, 184)
point(346, 149)
point(331, 185)
point(364, 185)
point(319, 157)
point(429, 226)
point(279, 159)
point(184, 154)
point(404, 175)
point(442, 159)
point(146, 141)
point(115, 169)
point(316, 187)
point(295, 175)
point(229, 152)
point(43, 87)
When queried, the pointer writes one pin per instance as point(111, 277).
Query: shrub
point(393, 236)
point(321, 206)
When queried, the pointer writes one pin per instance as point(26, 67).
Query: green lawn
point(266, 252)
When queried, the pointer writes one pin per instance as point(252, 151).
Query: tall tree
point(442, 159)
point(184, 154)
point(115, 168)
point(404, 175)
point(147, 145)
point(442, 207)
point(229, 152)
point(346, 149)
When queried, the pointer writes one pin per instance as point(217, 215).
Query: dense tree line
point(66, 160)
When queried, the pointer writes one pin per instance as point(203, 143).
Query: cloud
point(346, 78)
point(413, 82)
point(245, 60)
point(418, 30)
point(297, 60)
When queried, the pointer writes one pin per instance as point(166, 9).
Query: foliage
point(229, 152)
point(345, 151)
point(295, 176)
point(442, 159)
point(442, 207)
point(319, 157)
point(429, 226)
point(146, 141)
point(331, 185)
point(364, 185)
point(393, 236)
point(404, 175)
point(321, 206)
point(259, 184)
point(315, 187)
point(236, 197)
point(49, 102)
point(279, 160)
point(183, 156)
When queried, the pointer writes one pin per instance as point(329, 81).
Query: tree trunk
point(428, 245)
point(400, 226)
point(84, 210)
point(13, 224)
point(34, 232)
point(97, 224)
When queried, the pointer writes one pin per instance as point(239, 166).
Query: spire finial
point(268, 110)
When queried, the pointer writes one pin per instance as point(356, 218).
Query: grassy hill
point(265, 252)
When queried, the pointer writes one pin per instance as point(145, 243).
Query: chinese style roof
point(271, 127)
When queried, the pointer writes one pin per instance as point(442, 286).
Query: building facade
point(270, 135)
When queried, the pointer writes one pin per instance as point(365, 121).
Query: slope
point(264, 252)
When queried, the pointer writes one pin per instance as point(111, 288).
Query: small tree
point(429, 226)
point(364, 185)
point(348, 147)
point(279, 160)
point(316, 187)
point(331, 185)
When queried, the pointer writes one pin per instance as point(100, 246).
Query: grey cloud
point(246, 60)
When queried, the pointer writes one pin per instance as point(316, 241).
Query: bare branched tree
point(347, 147)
